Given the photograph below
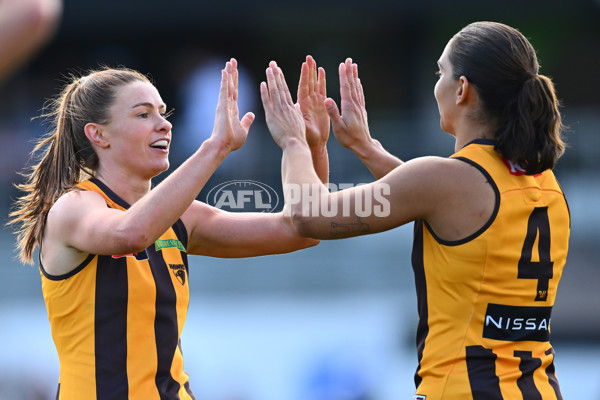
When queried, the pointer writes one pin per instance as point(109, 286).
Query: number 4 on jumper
point(542, 270)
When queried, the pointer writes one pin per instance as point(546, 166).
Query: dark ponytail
point(502, 65)
point(530, 134)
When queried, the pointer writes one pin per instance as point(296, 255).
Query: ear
point(463, 91)
point(93, 132)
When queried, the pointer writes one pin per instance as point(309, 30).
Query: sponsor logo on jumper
point(419, 397)
point(514, 323)
point(179, 272)
point(167, 243)
point(142, 255)
point(243, 195)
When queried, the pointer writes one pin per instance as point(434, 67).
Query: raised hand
point(228, 127)
point(312, 93)
point(284, 120)
point(350, 128)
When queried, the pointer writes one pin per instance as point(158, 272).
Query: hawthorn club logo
point(179, 272)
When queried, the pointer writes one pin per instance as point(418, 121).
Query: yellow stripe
point(141, 363)
point(67, 301)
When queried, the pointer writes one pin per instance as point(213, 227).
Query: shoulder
point(453, 196)
point(432, 174)
point(64, 222)
point(434, 164)
point(76, 199)
point(72, 207)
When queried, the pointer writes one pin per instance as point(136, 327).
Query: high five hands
point(312, 93)
point(308, 120)
point(284, 119)
point(229, 128)
point(350, 128)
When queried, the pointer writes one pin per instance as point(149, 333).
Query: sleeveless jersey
point(116, 320)
point(485, 302)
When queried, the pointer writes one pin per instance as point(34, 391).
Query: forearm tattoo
point(351, 228)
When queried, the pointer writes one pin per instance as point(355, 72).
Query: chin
point(450, 133)
point(445, 128)
point(160, 170)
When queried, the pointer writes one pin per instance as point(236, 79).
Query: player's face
point(445, 92)
point(138, 133)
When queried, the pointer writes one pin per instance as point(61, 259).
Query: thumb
point(247, 120)
point(334, 113)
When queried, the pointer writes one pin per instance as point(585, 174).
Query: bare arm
point(25, 25)
point(411, 191)
point(351, 128)
point(424, 188)
point(217, 233)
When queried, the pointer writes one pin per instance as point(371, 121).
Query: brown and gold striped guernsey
point(117, 320)
point(485, 301)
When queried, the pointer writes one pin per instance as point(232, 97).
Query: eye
point(438, 73)
point(143, 115)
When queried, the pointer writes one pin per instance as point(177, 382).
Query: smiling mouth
point(161, 144)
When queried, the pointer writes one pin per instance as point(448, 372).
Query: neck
point(472, 132)
point(125, 186)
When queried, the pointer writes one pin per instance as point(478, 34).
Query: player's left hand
point(312, 93)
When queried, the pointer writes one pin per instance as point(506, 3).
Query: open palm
point(228, 127)
point(311, 101)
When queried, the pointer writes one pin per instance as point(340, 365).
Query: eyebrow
point(150, 105)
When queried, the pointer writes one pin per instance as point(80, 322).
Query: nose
point(165, 125)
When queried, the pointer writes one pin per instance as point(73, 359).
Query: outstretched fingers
point(312, 73)
point(249, 117)
point(228, 128)
point(231, 89)
point(283, 118)
point(302, 83)
point(352, 76)
point(351, 89)
point(269, 89)
point(283, 87)
point(321, 82)
point(265, 97)
point(224, 88)
point(345, 91)
point(276, 88)
point(360, 94)
point(233, 71)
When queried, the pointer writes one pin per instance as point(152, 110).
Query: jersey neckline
point(112, 195)
point(490, 142)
